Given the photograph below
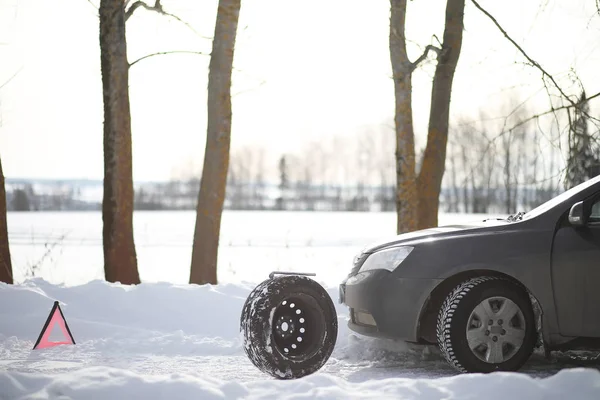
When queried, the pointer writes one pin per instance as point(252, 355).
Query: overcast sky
point(303, 70)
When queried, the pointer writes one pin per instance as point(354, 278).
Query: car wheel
point(487, 324)
point(289, 326)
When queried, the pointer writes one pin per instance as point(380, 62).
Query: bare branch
point(553, 110)
point(140, 3)
point(11, 78)
point(92, 4)
point(158, 8)
point(532, 61)
point(260, 81)
point(505, 130)
point(160, 53)
point(423, 56)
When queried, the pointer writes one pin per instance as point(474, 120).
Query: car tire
point(289, 326)
point(467, 339)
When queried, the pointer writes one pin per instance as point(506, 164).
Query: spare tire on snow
point(290, 326)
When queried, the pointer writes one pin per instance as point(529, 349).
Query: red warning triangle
point(56, 317)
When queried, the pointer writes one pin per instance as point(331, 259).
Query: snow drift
point(109, 383)
point(166, 341)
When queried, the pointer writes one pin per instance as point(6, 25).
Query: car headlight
point(388, 259)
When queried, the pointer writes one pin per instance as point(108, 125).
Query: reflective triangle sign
point(55, 319)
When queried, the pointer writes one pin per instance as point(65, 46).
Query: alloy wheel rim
point(496, 330)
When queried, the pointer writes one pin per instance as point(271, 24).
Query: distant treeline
point(305, 197)
point(487, 170)
point(59, 197)
point(299, 196)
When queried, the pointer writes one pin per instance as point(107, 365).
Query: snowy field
point(67, 247)
point(164, 339)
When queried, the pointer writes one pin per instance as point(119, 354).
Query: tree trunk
point(406, 188)
point(520, 173)
point(536, 186)
point(120, 261)
point(507, 180)
point(475, 194)
point(489, 176)
point(216, 159)
point(466, 169)
point(432, 169)
point(5, 263)
point(455, 189)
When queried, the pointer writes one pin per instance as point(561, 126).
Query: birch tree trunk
point(120, 260)
point(216, 157)
point(406, 189)
point(417, 197)
point(432, 169)
point(5, 263)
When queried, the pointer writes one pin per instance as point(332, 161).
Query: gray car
point(487, 293)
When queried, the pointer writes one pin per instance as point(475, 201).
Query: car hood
point(442, 232)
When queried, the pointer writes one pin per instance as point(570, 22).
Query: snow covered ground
point(169, 340)
point(67, 247)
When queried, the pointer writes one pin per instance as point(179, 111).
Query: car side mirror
point(576, 215)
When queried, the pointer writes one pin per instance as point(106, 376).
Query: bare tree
point(466, 167)
point(235, 181)
point(259, 177)
point(417, 198)
point(568, 103)
point(284, 182)
point(216, 157)
point(487, 169)
point(507, 147)
point(402, 68)
point(453, 198)
point(246, 178)
point(432, 169)
point(120, 260)
point(531, 177)
point(6, 274)
point(470, 179)
point(5, 263)
point(313, 167)
point(385, 167)
point(583, 162)
point(505, 172)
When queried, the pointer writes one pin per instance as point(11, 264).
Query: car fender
point(536, 285)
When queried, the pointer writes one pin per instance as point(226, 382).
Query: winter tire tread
point(454, 305)
point(256, 326)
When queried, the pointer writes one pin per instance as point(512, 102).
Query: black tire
point(459, 311)
point(290, 326)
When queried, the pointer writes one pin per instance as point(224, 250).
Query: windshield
point(560, 198)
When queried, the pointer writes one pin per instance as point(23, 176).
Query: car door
point(576, 274)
